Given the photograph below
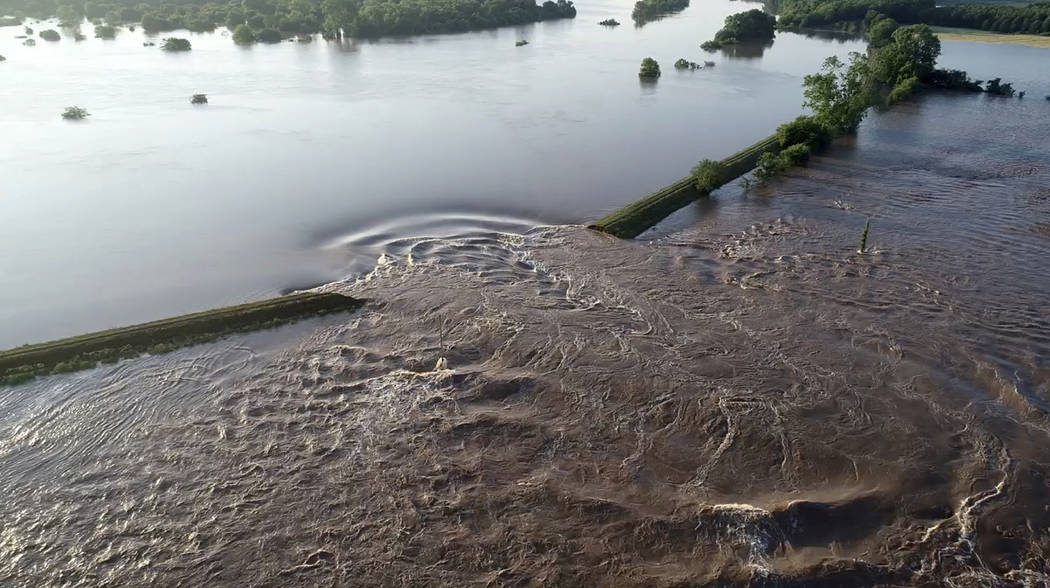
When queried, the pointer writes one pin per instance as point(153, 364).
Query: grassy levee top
point(633, 219)
point(85, 351)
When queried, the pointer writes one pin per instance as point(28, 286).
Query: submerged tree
point(743, 27)
point(199, 99)
point(268, 36)
point(50, 35)
point(105, 31)
point(243, 35)
point(75, 113)
point(650, 69)
point(176, 44)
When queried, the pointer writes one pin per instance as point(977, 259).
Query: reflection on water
point(739, 398)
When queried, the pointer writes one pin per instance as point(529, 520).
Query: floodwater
point(309, 155)
point(312, 156)
point(738, 398)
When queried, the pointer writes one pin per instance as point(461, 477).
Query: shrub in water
point(806, 130)
point(75, 113)
point(650, 69)
point(176, 44)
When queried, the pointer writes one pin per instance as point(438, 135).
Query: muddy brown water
point(738, 398)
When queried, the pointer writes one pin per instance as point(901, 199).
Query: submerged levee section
point(85, 351)
point(631, 220)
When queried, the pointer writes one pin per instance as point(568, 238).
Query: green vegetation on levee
point(86, 351)
point(709, 175)
point(648, 10)
point(10, 21)
point(176, 44)
point(853, 15)
point(50, 35)
point(105, 31)
point(743, 27)
point(332, 18)
point(75, 113)
point(649, 70)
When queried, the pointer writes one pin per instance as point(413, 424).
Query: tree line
point(1002, 18)
point(333, 18)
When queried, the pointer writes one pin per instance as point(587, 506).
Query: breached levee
point(633, 219)
point(86, 351)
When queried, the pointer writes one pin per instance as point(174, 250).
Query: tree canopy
point(648, 10)
point(743, 27)
point(650, 69)
point(359, 18)
point(176, 44)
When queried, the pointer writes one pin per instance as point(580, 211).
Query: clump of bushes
point(609, 22)
point(804, 130)
point(50, 35)
point(3, 59)
point(998, 87)
point(268, 36)
point(199, 99)
point(243, 35)
point(796, 154)
point(647, 10)
point(649, 70)
point(743, 27)
point(771, 165)
point(709, 175)
point(176, 44)
point(686, 64)
point(105, 31)
point(75, 113)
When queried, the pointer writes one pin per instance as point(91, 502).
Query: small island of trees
point(50, 35)
point(176, 44)
point(75, 113)
point(751, 26)
point(650, 69)
point(648, 10)
point(609, 22)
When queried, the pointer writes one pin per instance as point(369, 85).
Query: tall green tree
point(840, 94)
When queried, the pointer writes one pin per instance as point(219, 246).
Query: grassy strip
point(972, 36)
point(85, 351)
point(631, 220)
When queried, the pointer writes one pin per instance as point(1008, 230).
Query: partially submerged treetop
point(176, 44)
point(650, 69)
point(75, 113)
